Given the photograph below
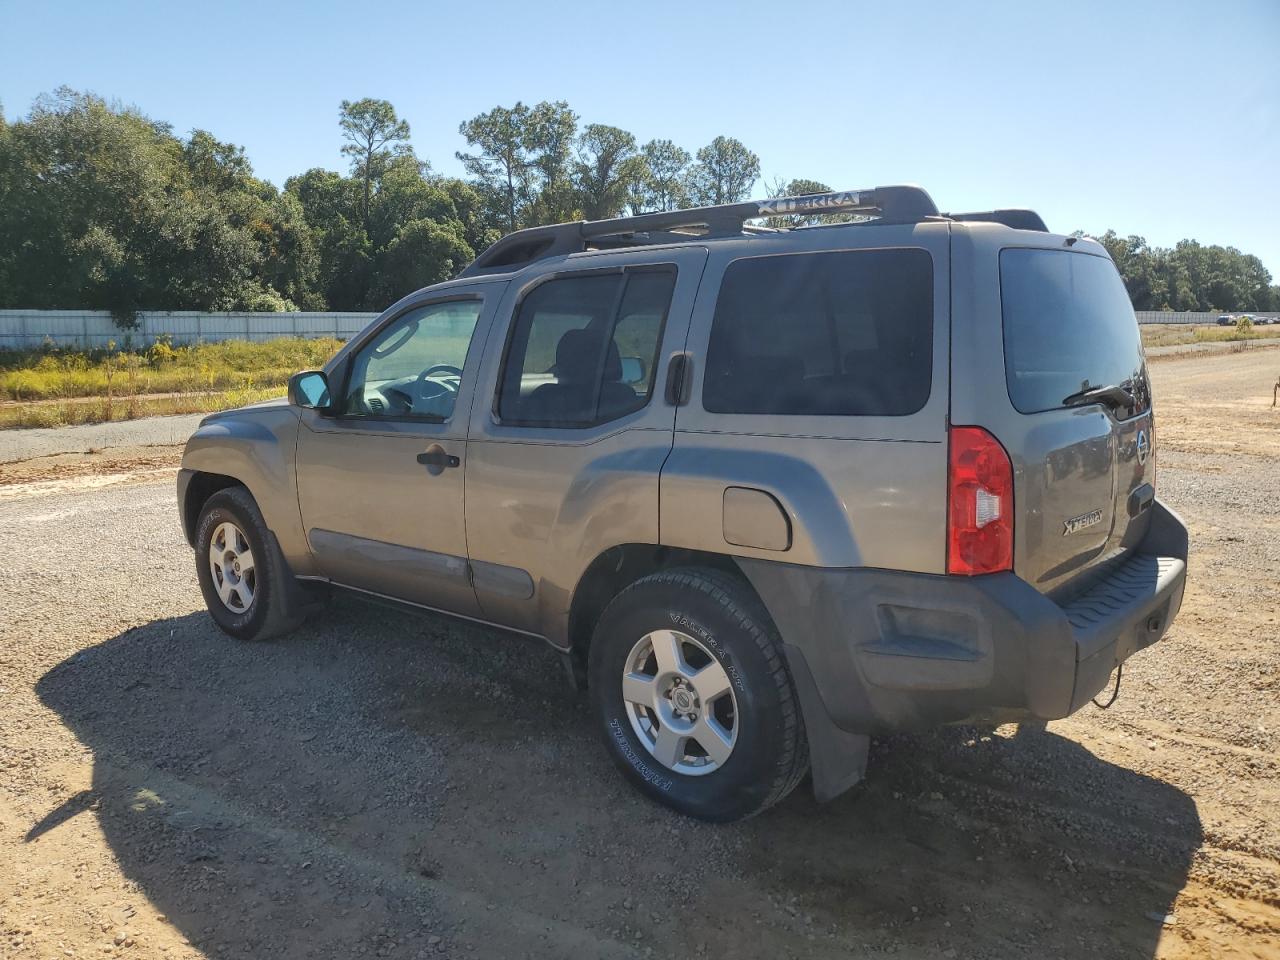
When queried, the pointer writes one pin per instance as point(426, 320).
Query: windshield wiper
point(1114, 395)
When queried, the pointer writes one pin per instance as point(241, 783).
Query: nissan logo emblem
point(1143, 446)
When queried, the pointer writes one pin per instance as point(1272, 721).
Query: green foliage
point(1191, 276)
point(103, 207)
point(724, 173)
point(374, 135)
point(662, 181)
point(1244, 326)
point(60, 374)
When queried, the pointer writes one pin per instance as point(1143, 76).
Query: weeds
point(53, 373)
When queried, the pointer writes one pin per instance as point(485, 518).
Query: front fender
point(257, 446)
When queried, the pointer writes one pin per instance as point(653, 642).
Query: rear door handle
point(679, 374)
point(437, 459)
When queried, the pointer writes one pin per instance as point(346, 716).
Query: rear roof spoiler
point(1018, 219)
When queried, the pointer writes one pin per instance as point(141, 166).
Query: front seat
point(572, 398)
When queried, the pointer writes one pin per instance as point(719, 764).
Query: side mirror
point(632, 370)
point(309, 389)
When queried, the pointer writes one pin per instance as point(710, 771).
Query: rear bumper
point(890, 651)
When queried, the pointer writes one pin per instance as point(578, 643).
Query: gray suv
point(767, 492)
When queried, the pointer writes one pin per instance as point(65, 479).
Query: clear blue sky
point(1155, 118)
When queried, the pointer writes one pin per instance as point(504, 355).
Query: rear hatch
point(1081, 431)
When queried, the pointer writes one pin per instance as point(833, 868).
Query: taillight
point(979, 503)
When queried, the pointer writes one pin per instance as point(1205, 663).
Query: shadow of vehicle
point(379, 784)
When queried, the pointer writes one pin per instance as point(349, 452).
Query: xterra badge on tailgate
point(1076, 524)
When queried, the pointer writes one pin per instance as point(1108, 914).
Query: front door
point(380, 476)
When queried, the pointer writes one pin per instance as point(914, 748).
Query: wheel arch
point(615, 569)
point(200, 486)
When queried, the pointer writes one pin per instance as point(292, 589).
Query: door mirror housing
point(310, 389)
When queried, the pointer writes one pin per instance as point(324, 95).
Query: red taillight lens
point(979, 504)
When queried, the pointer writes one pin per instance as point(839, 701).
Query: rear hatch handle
point(1141, 499)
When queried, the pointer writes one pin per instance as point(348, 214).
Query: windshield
point(1068, 327)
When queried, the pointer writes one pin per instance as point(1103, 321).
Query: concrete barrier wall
point(88, 329)
point(21, 329)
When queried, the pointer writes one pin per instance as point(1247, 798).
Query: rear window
point(823, 334)
point(1068, 326)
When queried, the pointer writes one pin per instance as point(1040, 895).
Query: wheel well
point(201, 488)
point(611, 573)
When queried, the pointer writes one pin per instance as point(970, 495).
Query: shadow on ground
point(383, 785)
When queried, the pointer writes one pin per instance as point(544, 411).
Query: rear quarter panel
point(857, 491)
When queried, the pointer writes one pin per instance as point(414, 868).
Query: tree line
point(103, 207)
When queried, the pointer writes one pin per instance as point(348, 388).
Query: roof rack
point(896, 204)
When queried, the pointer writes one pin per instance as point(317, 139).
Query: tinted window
point(583, 349)
point(413, 367)
point(824, 334)
point(1068, 326)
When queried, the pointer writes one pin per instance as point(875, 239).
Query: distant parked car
point(1226, 320)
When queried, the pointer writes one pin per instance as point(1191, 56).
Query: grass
point(1181, 334)
point(63, 374)
point(57, 387)
point(102, 410)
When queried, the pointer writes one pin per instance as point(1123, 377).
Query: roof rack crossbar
point(901, 204)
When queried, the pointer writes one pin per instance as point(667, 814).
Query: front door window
point(413, 368)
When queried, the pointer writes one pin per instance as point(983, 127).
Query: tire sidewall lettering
point(619, 731)
point(685, 622)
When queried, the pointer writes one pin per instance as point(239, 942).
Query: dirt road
point(379, 785)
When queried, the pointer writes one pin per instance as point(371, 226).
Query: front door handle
point(436, 459)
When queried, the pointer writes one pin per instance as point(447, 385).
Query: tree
point(724, 173)
point(522, 162)
point(660, 182)
point(502, 165)
point(548, 138)
point(607, 168)
point(373, 134)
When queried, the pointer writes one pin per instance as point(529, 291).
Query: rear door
point(570, 427)
point(1055, 330)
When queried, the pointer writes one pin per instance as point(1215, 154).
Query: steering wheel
point(442, 367)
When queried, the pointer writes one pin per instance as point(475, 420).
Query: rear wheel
point(242, 575)
point(693, 695)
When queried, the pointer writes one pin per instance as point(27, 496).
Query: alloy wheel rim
point(231, 562)
point(680, 702)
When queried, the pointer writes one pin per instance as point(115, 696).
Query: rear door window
point(583, 348)
point(1068, 326)
point(823, 334)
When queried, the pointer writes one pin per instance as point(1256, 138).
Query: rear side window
point(1068, 326)
point(583, 348)
point(847, 334)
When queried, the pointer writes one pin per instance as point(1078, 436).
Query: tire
point(694, 635)
point(259, 608)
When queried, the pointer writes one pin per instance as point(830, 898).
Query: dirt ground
point(382, 785)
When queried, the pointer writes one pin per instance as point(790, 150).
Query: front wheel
point(242, 575)
point(693, 696)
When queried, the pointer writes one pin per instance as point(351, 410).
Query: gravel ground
point(18, 445)
point(383, 785)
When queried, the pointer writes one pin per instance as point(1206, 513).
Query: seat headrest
point(578, 354)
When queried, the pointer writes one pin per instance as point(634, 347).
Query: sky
point(1160, 119)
